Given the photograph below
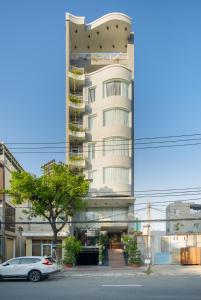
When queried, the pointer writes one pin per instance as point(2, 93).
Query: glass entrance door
point(46, 250)
point(115, 240)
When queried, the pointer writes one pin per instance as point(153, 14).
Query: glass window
point(115, 88)
point(91, 151)
point(91, 122)
point(44, 247)
point(116, 146)
point(26, 261)
point(176, 212)
point(92, 95)
point(116, 175)
point(9, 218)
point(14, 261)
point(116, 116)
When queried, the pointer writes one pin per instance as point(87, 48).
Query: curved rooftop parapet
point(106, 18)
point(108, 34)
point(75, 19)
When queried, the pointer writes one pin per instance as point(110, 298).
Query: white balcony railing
point(76, 131)
point(77, 160)
point(76, 102)
point(85, 59)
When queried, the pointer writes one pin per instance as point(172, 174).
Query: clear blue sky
point(167, 80)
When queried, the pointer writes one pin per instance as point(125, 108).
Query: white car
point(33, 268)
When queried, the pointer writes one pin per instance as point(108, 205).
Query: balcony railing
point(86, 59)
point(76, 103)
point(77, 160)
point(76, 127)
point(76, 131)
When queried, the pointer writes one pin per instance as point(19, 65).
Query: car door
point(10, 267)
point(26, 264)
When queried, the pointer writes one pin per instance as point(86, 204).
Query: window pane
point(116, 175)
point(116, 88)
point(92, 95)
point(116, 116)
point(91, 151)
point(26, 261)
point(13, 261)
point(124, 89)
point(91, 122)
point(116, 146)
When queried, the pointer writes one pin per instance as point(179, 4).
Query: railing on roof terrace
point(85, 59)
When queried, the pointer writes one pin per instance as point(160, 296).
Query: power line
point(169, 195)
point(169, 201)
point(105, 145)
point(137, 139)
point(129, 148)
point(106, 221)
point(162, 194)
point(169, 189)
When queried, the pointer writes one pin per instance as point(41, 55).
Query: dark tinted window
point(14, 261)
point(29, 260)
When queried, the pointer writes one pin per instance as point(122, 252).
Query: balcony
point(76, 78)
point(76, 103)
point(76, 160)
point(85, 60)
point(76, 132)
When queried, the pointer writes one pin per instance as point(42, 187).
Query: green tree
point(54, 196)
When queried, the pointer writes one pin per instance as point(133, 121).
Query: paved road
point(96, 288)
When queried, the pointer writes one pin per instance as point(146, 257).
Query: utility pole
point(3, 206)
point(148, 237)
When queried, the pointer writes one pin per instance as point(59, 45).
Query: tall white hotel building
point(99, 116)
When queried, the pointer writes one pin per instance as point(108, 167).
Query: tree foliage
point(53, 196)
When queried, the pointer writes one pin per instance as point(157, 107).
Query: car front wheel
point(34, 276)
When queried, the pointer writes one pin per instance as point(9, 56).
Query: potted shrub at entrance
point(71, 249)
point(68, 260)
point(134, 254)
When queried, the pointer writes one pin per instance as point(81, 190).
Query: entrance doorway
point(114, 240)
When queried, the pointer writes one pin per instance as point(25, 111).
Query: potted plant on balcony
point(74, 158)
point(77, 71)
point(72, 248)
point(75, 99)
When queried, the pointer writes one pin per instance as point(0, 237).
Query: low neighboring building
point(171, 249)
point(182, 210)
point(8, 230)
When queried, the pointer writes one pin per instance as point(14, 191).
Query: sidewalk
point(107, 271)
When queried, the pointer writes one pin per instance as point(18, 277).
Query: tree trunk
point(54, 248)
